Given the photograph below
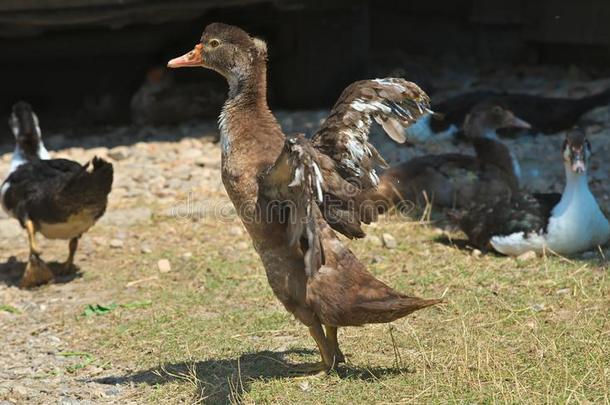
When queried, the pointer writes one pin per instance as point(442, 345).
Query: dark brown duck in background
point(548, 115)
point(453, 179)
point(162, 101)
point(291, 182)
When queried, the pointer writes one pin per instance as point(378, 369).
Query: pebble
point(69, 401)
point(376, 259)
point(564, 291)
point(529, 255)
point(187, 255)
point(389, 241)
point(164, 266)
point(305, 386)
point(9, 229)
point(126, 217)
point(20, 390)
point(236, 231)
point(116, 244)
point(119, 153)
point(373, 240)
point(242, 245)
point(476, 253)
point(538, 307)
point(113, 391)
point(191, 154)
point(145, 249)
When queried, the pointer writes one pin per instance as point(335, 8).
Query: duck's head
point(226, 49)
point(24, 124)
point(576, 151)
point(486, 118)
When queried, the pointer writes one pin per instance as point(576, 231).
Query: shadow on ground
point(461, 244)
point(12, 270)
point(464, 245)
point(226, 380)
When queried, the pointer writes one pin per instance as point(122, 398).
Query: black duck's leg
point(36, 271)
point(68, 267)
point(333, 342)
point(31, 230)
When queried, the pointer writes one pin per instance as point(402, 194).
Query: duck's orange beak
point(190, 59)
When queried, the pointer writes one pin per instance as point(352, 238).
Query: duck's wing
point(350, 159)
point(56, 188)
point(325, 178)
point(88, 188)
point(36, 182)
point(291, 190)
point(344, 135)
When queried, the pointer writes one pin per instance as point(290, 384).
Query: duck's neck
point(28, 150)
point(249, 84)
point(491, 150)
point(247, 106)
point(576, 184)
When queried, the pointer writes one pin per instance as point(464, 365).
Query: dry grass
point(535, 332)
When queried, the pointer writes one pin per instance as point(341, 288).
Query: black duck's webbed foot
point(68, 267)
point(36, 273)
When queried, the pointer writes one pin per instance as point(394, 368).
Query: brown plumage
point(456, 180)
point(290, 191)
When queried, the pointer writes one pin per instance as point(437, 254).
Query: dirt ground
point(158, 173)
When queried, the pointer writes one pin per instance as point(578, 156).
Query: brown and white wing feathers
point(344, 136)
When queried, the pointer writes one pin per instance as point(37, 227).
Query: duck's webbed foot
point(68, 266)
point(36, 273)
point(309, 368)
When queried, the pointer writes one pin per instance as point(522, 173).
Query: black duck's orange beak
point(191, 59)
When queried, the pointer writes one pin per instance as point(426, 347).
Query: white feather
point(3, 190)
point(298, 176)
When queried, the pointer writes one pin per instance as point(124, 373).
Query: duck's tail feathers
point(91, 185)
point(391, 309)
point(413, 304)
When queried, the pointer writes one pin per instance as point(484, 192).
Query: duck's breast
point(578, 227)
point(74, 226)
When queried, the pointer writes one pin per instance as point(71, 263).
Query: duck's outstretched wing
point(324, 179)
point(344, 136)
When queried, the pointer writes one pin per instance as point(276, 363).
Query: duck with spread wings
point(293, 193)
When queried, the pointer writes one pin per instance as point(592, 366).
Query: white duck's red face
point(576, 150)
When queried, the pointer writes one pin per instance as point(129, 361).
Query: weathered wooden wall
point(86, 57)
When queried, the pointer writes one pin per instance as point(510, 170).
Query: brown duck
point(453, 179)
point(290, 191)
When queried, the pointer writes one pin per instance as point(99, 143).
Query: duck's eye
point(214, 43)
point(497, 110)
